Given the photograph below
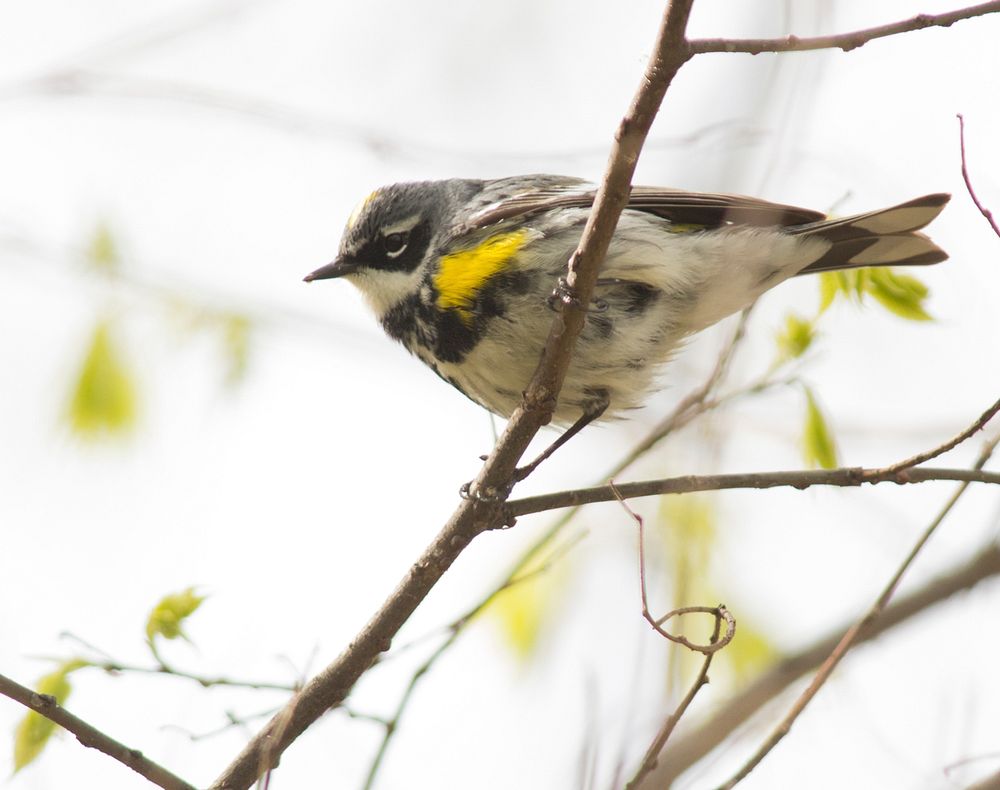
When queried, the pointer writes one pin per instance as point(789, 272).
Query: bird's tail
point(887, 237)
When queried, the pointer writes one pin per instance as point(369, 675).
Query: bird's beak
point(337, 268)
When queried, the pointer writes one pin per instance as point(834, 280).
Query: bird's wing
point(701, 209)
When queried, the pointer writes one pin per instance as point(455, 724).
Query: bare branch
point(91, 737)
point(846, 477)
point(843, 41)
point(484, 510)
point(692, 746)
point(901, 472)
point(968, 181)
point(854, 632)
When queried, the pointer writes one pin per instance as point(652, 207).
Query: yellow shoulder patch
point(461, 275)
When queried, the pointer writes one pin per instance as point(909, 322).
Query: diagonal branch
point(91, 737)
point(484, 510)
point(843, 41)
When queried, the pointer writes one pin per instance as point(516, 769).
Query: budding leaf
point(103, 400)
point(818, 446)
point(170, 613)
point(795, 338)
point(902, 294)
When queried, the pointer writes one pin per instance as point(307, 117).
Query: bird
point(460, 271)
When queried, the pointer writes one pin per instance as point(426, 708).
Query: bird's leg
point(591, 412)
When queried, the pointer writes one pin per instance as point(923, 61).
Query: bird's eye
point(395, 243)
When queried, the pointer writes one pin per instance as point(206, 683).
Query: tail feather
point(887, 237)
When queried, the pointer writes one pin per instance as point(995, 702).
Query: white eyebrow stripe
point(403, 226)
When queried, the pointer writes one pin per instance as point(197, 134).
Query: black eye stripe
point(379, 253)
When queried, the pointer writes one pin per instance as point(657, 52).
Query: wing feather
point(709, 210)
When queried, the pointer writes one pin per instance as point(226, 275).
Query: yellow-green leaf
point(687, 524)
point(748, 653)
point(829, 287)
point(168, 616)
point(527, 605)
point(103, 400)
point(845, 281)
point(902, 294)
point(34, 730)
point(236, 339)
point(520, 611)
point(795, 338)
point(859, 278)
point(102, 252)
point(818, 445)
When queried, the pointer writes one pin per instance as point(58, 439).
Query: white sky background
point(299, 498)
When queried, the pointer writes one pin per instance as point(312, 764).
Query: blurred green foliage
point(34, 730)
point(795, 338)
point(102, 252)
point(818, 445)
point(103, 400)
point(901, 294)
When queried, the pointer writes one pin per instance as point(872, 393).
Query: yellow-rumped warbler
point(460, 272)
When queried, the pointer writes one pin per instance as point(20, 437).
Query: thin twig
point(968, 181)
point(652, 755)
point(709, 650)
point(941, 449)
point(720, 612)
point(114, 667)
point(691, 405)
point(91, 737)
point(854, 632)
point(691, 747)
point(843, 41)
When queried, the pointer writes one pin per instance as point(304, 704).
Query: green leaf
point(236, 339)
point(168, 616)
point(103, 400)
point(796, 337)
point(902, 294)
point(818, 446)
point(34, 730)
point(102, 251)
